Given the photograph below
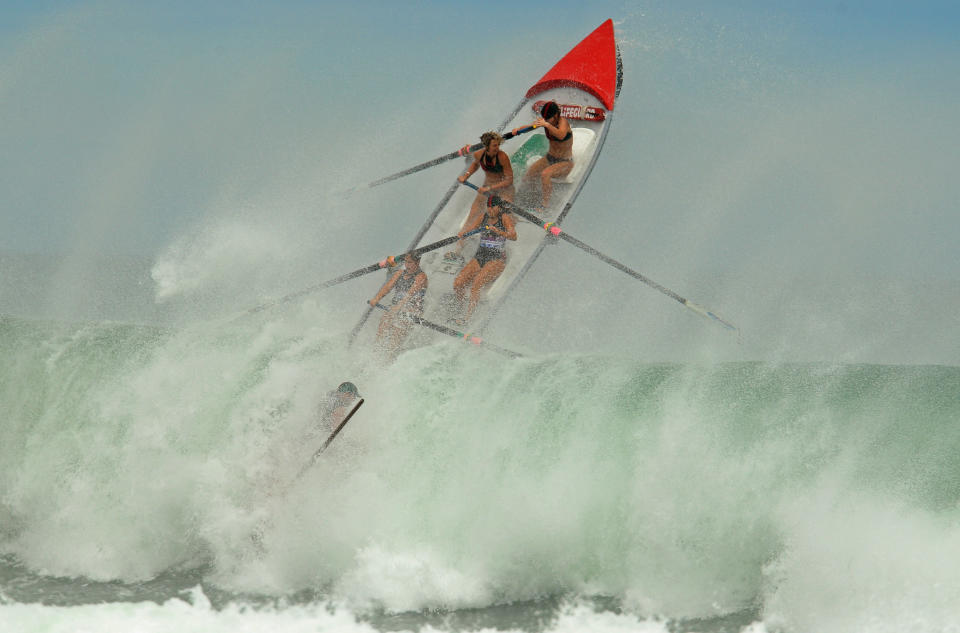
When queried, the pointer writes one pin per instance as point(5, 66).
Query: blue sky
point(76, 73)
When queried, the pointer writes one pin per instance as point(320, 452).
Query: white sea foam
point(195, 615)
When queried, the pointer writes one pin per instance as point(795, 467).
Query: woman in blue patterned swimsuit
point(490, 259)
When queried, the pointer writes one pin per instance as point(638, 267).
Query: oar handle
point(518, 131)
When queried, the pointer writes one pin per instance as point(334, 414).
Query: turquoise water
point(138, 462)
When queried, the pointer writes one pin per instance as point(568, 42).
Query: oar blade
point(710, 315)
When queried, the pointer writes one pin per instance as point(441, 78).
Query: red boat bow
point(591, 66)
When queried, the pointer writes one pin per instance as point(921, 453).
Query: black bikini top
point(558, 140)
point(491, 165)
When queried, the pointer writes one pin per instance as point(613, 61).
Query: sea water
point(639, 469)
point(468, 491)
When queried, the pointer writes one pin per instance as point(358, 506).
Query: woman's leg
point(475, 209)
point(463, 279)
point(486, 276)
point(385, 330)
point(556, 170)
point(533, 171)
point(398, 332)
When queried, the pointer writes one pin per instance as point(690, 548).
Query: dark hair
point(498, 203)
point(347, 387)
point(549, 110)
point(414, 256)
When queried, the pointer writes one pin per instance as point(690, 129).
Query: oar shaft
point(383, 263)
point(420, 250)
point(319, 451)
point(436, 161)
point(636, 275)
point(556, 231)
point(337, 430)
point(463, 151)
point(476, 340)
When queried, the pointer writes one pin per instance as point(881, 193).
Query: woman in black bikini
point(410, 289)
point(489, 260)
point(559, 159)
point(497, 171)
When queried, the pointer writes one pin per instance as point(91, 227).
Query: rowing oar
point(556, 231)
point(476, 340)
point(463, 151)
point(316, 455)
point(392, 260)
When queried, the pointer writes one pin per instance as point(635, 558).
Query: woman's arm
point(553, 130)
point(507, 172)
point(511, 230)
point(387, 287)
point(419, 283)
point(474, 166)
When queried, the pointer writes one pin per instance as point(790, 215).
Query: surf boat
point(585, 84)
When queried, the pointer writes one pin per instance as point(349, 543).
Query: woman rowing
point(498, 179)
point(489, 260)
point(559, 159)
point(410, 289)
